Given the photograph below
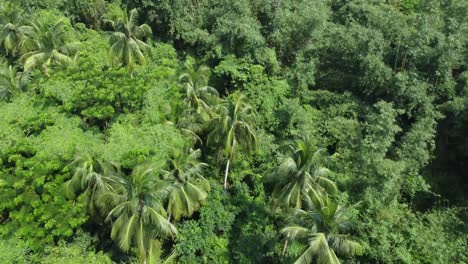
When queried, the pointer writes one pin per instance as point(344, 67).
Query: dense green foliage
point(216, 131)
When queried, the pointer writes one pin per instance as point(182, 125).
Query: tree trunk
point(145, 258)
point(285, 246)
point(226, 174)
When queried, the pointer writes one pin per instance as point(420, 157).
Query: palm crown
point(232, 129)
point(301, 175)
point(92, 177)
point(126, 46)
point(137, 212)
point(49, 43)
point(233, 126)
point(322, 228)
point(189, 186)
point(12, 32)
point(195, 82)
point(199, 99)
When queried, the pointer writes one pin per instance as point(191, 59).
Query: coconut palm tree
point(232, 129)
point(11, 81)
point(12, 32)
point(49, 44)
point(155, 255)
point(171, 259)
point(12, 35)
point(301, 175)
point(126, 46)
point(189, 186)
point(199, 99)
point(198, 94)
point(92, 177)
point(323, 228)
point(136, 211)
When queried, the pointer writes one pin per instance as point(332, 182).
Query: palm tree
point(11, 81)
point(12, 32)
point(155, 255)
point(171, 259)
point(190, 187)
point(92, 177)
point(322, 228)
point(49, 44)
point(199, 98)
point(137, 213)
point(126, 46)
point(198, 95)
point(301, 175)
point(232, 129)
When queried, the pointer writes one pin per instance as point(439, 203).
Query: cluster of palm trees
point(142, 206)
point(227, 125)
point(46, 42)
point(303, 191)
point(42, 42)
point(139, 206)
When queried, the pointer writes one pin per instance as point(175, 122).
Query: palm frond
point(144, 30)
point(61, 59)
point(307, 257)
point(117, 37)
point(136, 53)
point(292, 232)
point(161, 224)
point(327, 184)
point(71, 48)
point(126, 232)
point(345, 245)
point(34, 59)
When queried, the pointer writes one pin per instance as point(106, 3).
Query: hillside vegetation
point(221, 131)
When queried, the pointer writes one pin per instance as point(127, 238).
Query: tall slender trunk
point(285, 246)
point(143, 257)
point(226, 174)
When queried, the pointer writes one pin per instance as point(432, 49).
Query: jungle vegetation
point(220, 131)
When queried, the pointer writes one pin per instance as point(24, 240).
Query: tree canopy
point(217, 131)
